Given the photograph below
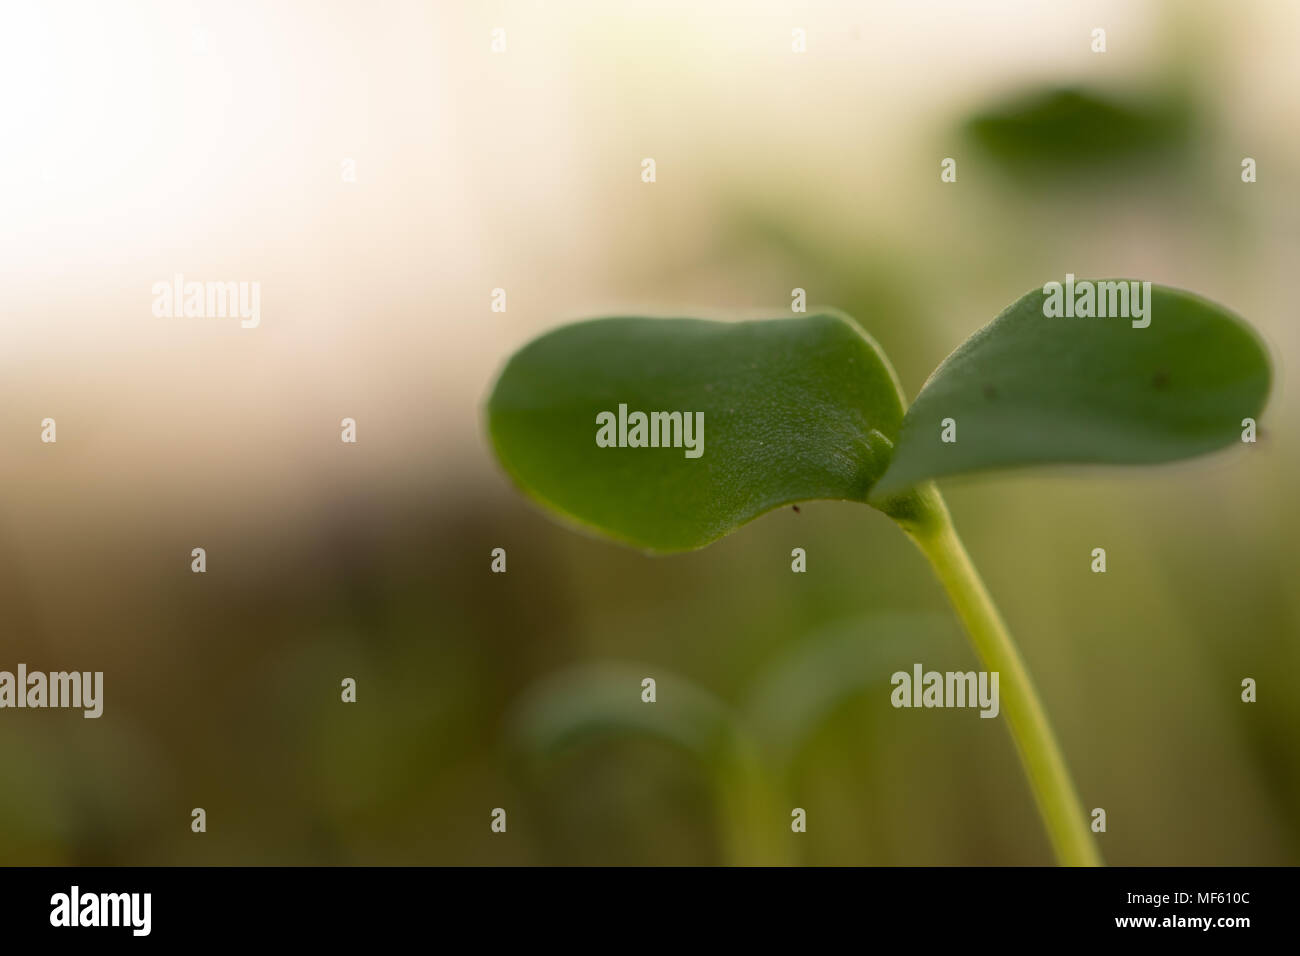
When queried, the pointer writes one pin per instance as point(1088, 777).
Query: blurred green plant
point(588, 703)
point(1065, 132)
point(797, 692)
point(809, 408)
point(746, 754)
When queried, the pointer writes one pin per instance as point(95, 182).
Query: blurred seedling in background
point(809, 408)
point(1075, 136)
point(747, 755)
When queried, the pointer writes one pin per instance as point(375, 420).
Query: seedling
point(747, 754)
point(590, 421)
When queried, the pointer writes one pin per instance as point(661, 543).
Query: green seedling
point(588, 703)
point(666, 434)
point(1054, 134)
point(747, 755)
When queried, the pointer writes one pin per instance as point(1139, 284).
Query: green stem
point(925, 518)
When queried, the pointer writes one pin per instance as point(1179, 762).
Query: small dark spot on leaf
point(990, 392)
point(796, 508)
point(1160, 379)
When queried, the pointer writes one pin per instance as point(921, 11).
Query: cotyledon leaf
point(1065, 132)
point(799, 689)
point(604, 701)
point(792, 409)
point(1032, 388)
point(591, 702)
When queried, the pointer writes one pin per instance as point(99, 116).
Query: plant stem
point(748, 808)
point(924, 516)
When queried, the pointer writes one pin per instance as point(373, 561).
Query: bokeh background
point(145, 139)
